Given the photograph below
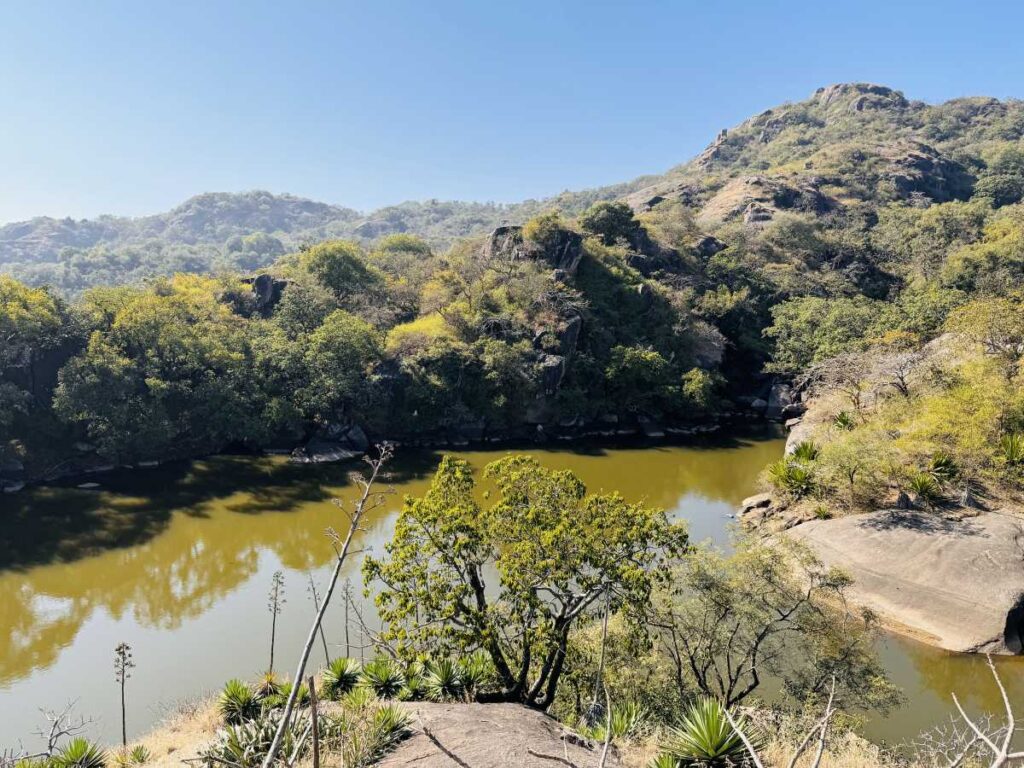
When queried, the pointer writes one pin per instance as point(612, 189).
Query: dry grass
point(187, 730)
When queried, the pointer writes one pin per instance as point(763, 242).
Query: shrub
point(477, 672)
point(279, 699)
point(791, 477)
point(384, 677)
point(943, 467)
point(844, 421)
point(1011, 447)
point(340, 677)
point(79, 753)
point(137, 755)
point(628, 720)
point(269, 685)
point(237, 702)
point(926, 489)
point(443, 681)
point(805, 452)
point(705, 738)
point(245, 745)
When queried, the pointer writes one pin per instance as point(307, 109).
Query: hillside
point(848, 148)
point(856, 222)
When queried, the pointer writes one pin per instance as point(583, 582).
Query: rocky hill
point(846, 149)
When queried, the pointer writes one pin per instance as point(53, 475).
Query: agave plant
point(1011, 446)
point(279, 699)
point(79, 753)
point(340, 677)
point(943, 467)
point(805, 452)
point(705, 738)
point(787, 475)
point(415, 688)
point(664, 760)
point(137, 755)
point(269, 685)
point(844, 421)
point(246, 744)
point(443, 680)
point(237, 702)
point(477, 672)
point(628, 720)
point(926, 489)
point(384, 677)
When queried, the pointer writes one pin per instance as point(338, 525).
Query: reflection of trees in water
point(167, 544)
point(967, 675)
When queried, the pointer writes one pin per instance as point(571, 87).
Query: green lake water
point(177, 561)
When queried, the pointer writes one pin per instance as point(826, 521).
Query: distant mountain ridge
point(849, 144)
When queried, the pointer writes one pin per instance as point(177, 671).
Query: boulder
point(318, 451)
point(779, 397)
point(491, 735)
point(569, 335)
point(707, 246)
point(955, 583)
point(552, 371)
point(756, 213)
point(758, 404)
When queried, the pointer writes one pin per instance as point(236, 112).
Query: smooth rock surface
point(488, 736)
point(957, 584)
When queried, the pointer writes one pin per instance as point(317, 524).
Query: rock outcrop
point(486, 735)
point(954, 583)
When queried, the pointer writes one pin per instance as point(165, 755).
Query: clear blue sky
point(130, 108)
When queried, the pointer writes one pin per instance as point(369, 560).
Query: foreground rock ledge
point(956, 584)
point(490, 735)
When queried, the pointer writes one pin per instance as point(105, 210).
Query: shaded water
point(177, 561)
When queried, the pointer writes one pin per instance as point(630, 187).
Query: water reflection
point(177, 560)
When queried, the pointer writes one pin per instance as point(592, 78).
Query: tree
point(727, 621)
point(555, 551)
point(340, 266)
point(123, 664)
point(339, 355)
point(997, 324)
point(610, 221)
point(639, 379)
point(810, 329)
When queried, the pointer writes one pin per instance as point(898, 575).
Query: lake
point(177, 561)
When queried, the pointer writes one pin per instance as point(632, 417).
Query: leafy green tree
point(339, 356)
point(810, 329)
point(170, 377)
point(554, 551)
point(339, 265)
point(610, 221)
point(639, 379)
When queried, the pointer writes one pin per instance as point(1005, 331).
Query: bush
point(340, 677)
point(279, 699)
point(943, 467)
point(926, 488)
point(477, 672)
point(805, 452)
point(792, 477)
point(844, 421)
point(1011, 447)
point(443, 681)
point(79, 753)
point(384, 677)
point(705, 738)
point(245, 745)
point(237, 702)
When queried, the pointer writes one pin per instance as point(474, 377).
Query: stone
point(956, 584)
point(318, 451)
point(491, 735)
point(790, 423)
point(569, 335)
point(758, 404)
point(756, 213)
point(757, 501)
point(11, 486)
point(552, 371)
point(646, 295)
point(707, 246)
point(780, 396)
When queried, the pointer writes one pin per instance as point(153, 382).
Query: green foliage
point(237, 702)
point(339, 265)
point(809, 329)
point(476, 670)
point(443, 680)
point(79, 753)
point(543, 535)
point(246, 744)
point(844, 421)
point(609, 221)
point(628, 721)
point(545, 230)
point(805, 451)
point(384, 676)
point(926, 488)
point(280, 699)
point(943, 467)
point(1011, 447)
point(340, 677)
point(792, 477)
point(705, 737)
